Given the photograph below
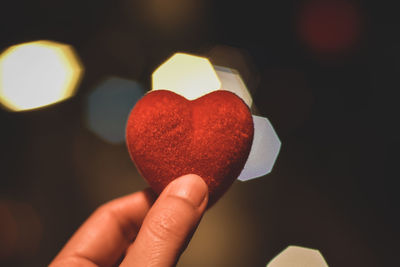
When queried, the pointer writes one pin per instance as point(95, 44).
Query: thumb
point(169, 224)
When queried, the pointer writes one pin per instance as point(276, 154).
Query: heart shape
point(169, 136)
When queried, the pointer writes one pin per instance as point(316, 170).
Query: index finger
point(107, 233)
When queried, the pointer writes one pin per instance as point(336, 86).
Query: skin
point(138, 229)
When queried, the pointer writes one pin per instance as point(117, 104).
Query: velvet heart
point(169, 136)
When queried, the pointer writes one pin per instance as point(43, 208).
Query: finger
point(108, 232)
point(169, 224)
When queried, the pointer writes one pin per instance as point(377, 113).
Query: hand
point(137, 232)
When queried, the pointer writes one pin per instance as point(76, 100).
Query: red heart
point(169, 136)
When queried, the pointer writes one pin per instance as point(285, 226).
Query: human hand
point(137, 232)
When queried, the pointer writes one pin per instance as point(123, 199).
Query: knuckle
point(105, 213)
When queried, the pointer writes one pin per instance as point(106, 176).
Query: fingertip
point(196, 180)
point(189, 187)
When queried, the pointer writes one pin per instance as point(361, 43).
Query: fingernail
point(190, 187)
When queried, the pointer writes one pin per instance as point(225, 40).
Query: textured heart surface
point(169, 136)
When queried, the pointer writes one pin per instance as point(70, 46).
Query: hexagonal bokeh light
point(294, 256)
point(264, 150)
point(108, 108)
point(38, 74)
point(193, 76)
point(231, 81)
point(187, 75)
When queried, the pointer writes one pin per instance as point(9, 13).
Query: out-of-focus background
point(325, 73)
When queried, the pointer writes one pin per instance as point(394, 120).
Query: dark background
point(325, 73)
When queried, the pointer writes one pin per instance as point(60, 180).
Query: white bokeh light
point(294, 256)
point(231, 81)
point(193, 76)
point(264, 150)
point(187, 75)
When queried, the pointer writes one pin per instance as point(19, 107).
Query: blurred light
point(193, 76)
point(108, 108)
point(294, 256)
point(330, 26)
point(264, 150)
point(20, 230)
point(231, 81)
point(167, 16)
point(38, 74)
point(8, 232)
point(238, 59)
point(187, 75)
point(30, 228)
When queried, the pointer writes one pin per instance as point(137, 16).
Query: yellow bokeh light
point(187, 75)
point(38, 74)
